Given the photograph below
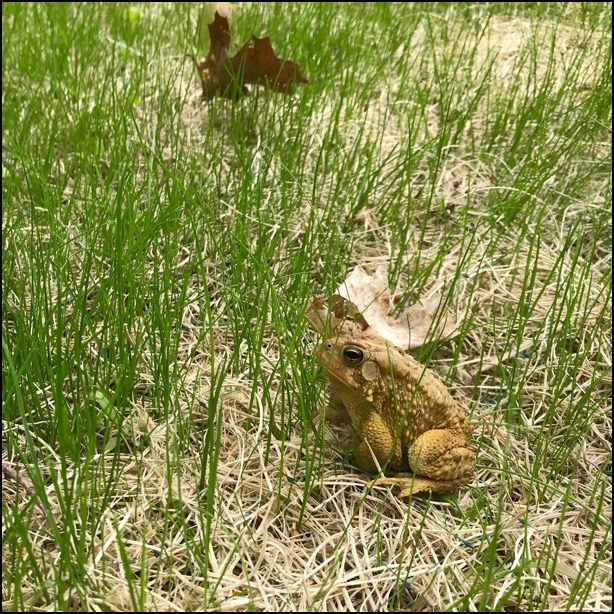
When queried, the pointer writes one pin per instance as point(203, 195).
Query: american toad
point(403, 417)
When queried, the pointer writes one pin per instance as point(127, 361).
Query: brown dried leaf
point(409, 330)
point(213, 70)
point(254, 65)
point(207, 16)
point(260, 65)
point(326, 319)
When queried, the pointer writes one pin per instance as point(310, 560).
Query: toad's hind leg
point(441, 461)
point(442, 455)
point(410, 484)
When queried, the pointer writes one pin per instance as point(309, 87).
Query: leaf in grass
point(206, 17)
point(105, 404)
point(255, 63)
point(259, 65)
point(111, 444)
point(131, 15)
point(371, 296)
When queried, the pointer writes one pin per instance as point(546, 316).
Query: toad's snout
point(322, 351)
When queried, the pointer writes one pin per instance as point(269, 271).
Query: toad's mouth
point(338, 377)
point(322, 356)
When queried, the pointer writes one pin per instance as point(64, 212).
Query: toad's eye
point(353, 355)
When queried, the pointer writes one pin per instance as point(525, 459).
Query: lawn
point(159, 251)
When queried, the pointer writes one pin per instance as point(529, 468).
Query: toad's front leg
point(375, 443)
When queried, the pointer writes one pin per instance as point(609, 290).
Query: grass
point(159, 251)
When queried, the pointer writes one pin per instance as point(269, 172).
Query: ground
point(159, 251)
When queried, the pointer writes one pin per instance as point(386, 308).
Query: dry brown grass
point(352, 547)
point(346, 548)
